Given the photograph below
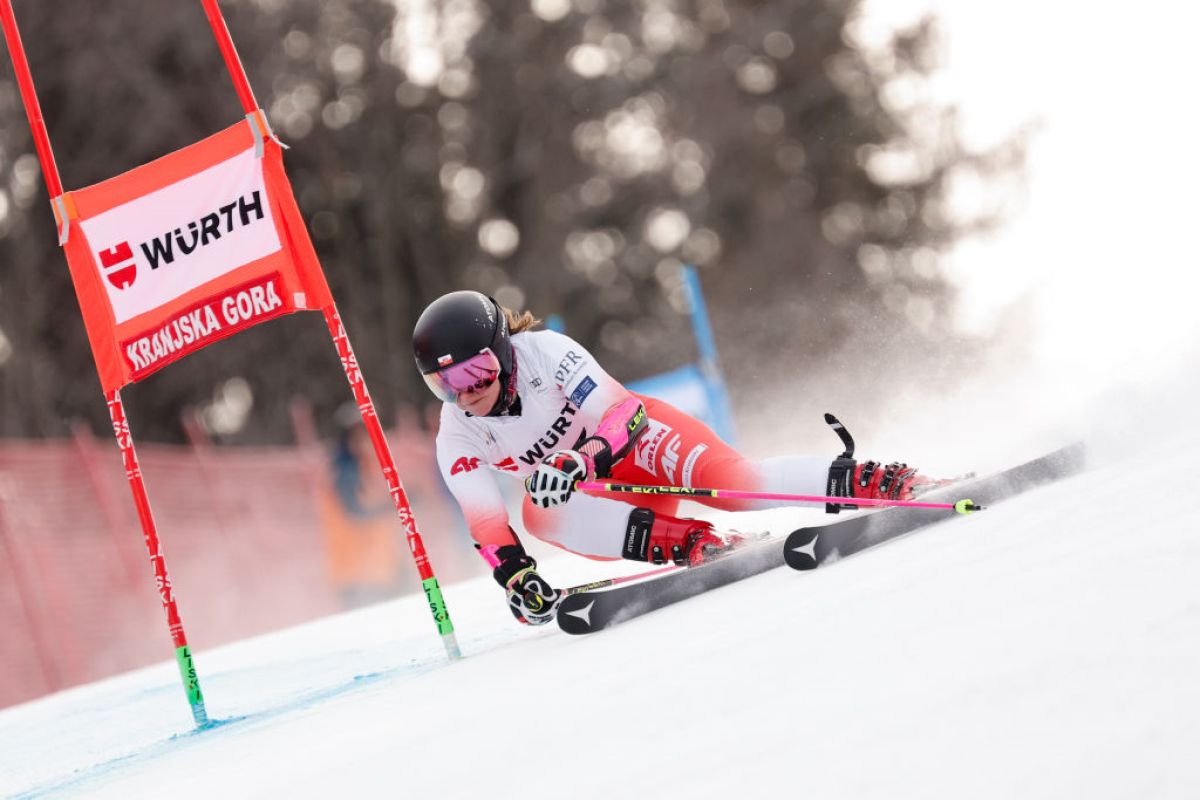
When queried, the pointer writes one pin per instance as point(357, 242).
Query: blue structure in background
point(698, 389)
point(719, 416)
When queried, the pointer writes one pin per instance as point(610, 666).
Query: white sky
point(1106, 243)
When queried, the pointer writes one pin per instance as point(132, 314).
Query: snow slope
point(1047, 648)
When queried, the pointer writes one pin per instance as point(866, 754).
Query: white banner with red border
point(187, 250)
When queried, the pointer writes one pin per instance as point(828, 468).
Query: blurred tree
point(565, 155)
point(792, 150)
point(110, 106)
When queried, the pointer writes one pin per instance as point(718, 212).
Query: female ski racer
point(537, 406)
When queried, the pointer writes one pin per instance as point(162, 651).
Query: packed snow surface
point(1046, 648)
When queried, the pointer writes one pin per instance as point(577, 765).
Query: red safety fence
point(257, 539)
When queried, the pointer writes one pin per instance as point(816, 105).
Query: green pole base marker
point(437, 606)
point(191, 683)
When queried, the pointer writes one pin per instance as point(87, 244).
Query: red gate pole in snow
point(133, 472)
point(383, 455)
point(366, 406)
point(41, 140)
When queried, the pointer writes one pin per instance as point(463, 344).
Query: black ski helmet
point(458, 326)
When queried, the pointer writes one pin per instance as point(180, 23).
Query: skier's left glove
point(554, 480)
point(530, 598)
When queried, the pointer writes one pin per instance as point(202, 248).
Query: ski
point(589, 611)
point(808, 548)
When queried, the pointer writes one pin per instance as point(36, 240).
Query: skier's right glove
point(530, 599)
point(552, 483)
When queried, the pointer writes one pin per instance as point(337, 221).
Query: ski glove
point(530, 598)
point(554, 479)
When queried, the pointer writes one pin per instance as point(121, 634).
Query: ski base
point(588, 612)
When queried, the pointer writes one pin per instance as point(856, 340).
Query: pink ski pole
point(961, 506)
point(608, 582)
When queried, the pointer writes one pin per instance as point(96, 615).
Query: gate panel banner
point(186, 250)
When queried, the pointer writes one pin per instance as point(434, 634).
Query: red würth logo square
point(119, 266)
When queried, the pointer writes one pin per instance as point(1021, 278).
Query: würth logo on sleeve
point(118, 265)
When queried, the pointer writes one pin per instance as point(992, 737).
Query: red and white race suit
point(565, 397)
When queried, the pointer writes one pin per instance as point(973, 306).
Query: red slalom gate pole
point(383, 454)
point(41, 139)
point(133, 472)
point(366, 406)
point(33, 109)
point(233, 64)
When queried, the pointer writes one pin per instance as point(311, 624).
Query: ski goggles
point(473, 375)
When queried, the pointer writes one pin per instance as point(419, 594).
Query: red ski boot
point(894, 482)
point(870, 481)
point(660, 538)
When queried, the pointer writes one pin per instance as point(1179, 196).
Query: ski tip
point(575, 617)
point(967, 507)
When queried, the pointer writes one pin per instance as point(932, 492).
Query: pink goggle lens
point(473, 375)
